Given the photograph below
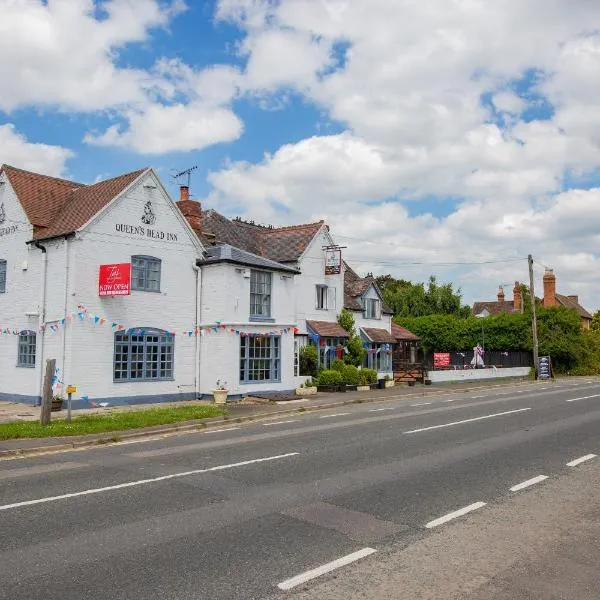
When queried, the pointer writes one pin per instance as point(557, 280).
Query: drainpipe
point(42, 317)
point(198, 321)
point(65, 329)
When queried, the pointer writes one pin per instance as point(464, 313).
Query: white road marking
point(336, 415)
point(280, 422)
point(421, 404)
point(129, 484)
point(500, 414)
point(454, 515)
point(475, 397)
point(583, 398)
point(292, 401)
point(380, 409)
point(578, 461)
point(528, 483)
point(449, 400)
point(220, 430)
point(288, 584)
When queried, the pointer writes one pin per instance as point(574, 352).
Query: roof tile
point(327, 328)
point(401, 333)
point(378, 336)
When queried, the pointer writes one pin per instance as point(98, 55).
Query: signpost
point(333, 261)
point(71, 389)
point(545, 370)
point(114, 280)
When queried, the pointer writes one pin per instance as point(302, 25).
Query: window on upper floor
point(260, 359)
point(2, 276)
point(260, 294)
point(143, 355)
point(145, 273)
point(372, 308)
point(27, 347)
point(326, 297)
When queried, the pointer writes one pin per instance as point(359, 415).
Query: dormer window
point(372, 308)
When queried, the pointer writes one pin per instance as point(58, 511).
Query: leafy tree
point(596, 321)
point(308, 360)
point(356, 351)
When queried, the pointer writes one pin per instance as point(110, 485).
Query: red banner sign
point(441, 360)
point(114, 280)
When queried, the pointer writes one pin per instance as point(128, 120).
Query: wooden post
point(47, 391)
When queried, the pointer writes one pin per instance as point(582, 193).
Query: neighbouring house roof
point(281, 244)
point(57, 207)
point(494, 307)
point(574, 304)
point(354, 288)
point(327, 329)
point(378, 336)
point(403, 334)
point(224, 253)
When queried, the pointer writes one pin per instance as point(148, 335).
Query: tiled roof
point(493, 307)
point(57, 207)
point(401, 333)
point(281, 244)
point(327, 329)
point(572, 303)
point(226, 253)
point(355, 287)
point(378, 336)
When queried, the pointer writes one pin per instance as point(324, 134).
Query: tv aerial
point(187, 174)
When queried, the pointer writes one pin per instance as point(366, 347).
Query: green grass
point(115, 421)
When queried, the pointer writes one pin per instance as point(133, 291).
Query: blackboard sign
point(545, 369)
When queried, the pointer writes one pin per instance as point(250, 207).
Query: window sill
point(143, 380)
point(259, 319)
point(25, 366)
point(266, 381)
point(149, 291)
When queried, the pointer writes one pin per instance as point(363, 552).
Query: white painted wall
point(476, 374)
point(90, 348)
point(384, 323)
point(226, 300)
point(312, 267)
point(23, 284)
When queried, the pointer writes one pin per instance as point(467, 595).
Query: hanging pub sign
point(333, 262)
point(114, 280)
point(441, 360)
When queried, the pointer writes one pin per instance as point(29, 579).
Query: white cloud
point(40, 158)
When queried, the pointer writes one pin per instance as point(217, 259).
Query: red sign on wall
point(441, 360)
point(114, 280)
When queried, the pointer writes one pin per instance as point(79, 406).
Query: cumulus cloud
point(40, 158)
point(407, 81)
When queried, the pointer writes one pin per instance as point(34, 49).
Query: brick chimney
point(574, 297)
point(500, 294)
point(192, 211)
point(549, 288)
point(517, 297)
point(184, 193)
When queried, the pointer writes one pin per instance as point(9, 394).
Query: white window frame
point(147, 266)
point(261, 285)
point(322, 297)
point(372, 308)
point(27, 350)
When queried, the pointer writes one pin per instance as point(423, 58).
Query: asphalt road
point(257, 510)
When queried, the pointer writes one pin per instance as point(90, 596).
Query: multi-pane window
point(372, 308)
point(2, 276)
point(145, 273)
point(260, 294)
point(379, 358)
point(322, 297)
point(143, 355)
point(260, 359)
point(27, 345)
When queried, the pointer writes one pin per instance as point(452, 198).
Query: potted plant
point(389, 382)
point(57, 403)
point(306, 389)
point(220, 392)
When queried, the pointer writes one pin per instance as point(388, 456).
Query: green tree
point(356, 351)
point(308, 360)
point(596, 321)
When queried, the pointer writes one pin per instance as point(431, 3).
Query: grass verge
point(114, 421)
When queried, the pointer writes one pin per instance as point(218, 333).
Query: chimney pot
point(501, 294)
point(184, 193)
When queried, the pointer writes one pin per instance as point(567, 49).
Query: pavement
point(487, 494)
point(248, 410)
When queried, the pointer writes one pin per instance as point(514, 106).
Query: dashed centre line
point(500, 414)
point(336, 415)
point(583, 398)
point(279, 423)
point(583, 459)
point(380, 409)
point(421, 404)
point(528, 483)
point(454, 515)
point(288, 584)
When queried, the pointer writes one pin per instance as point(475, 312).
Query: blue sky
point(439, 133)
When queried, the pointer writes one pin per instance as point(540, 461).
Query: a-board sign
point(545, 368)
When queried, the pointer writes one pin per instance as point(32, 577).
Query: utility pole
point(533, 317)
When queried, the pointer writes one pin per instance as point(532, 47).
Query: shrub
point(370, 374)
point(351, 375)
point(308, 361)
point(356, 351)
point(363, 378)
point(329, 377)
point(338, 365)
